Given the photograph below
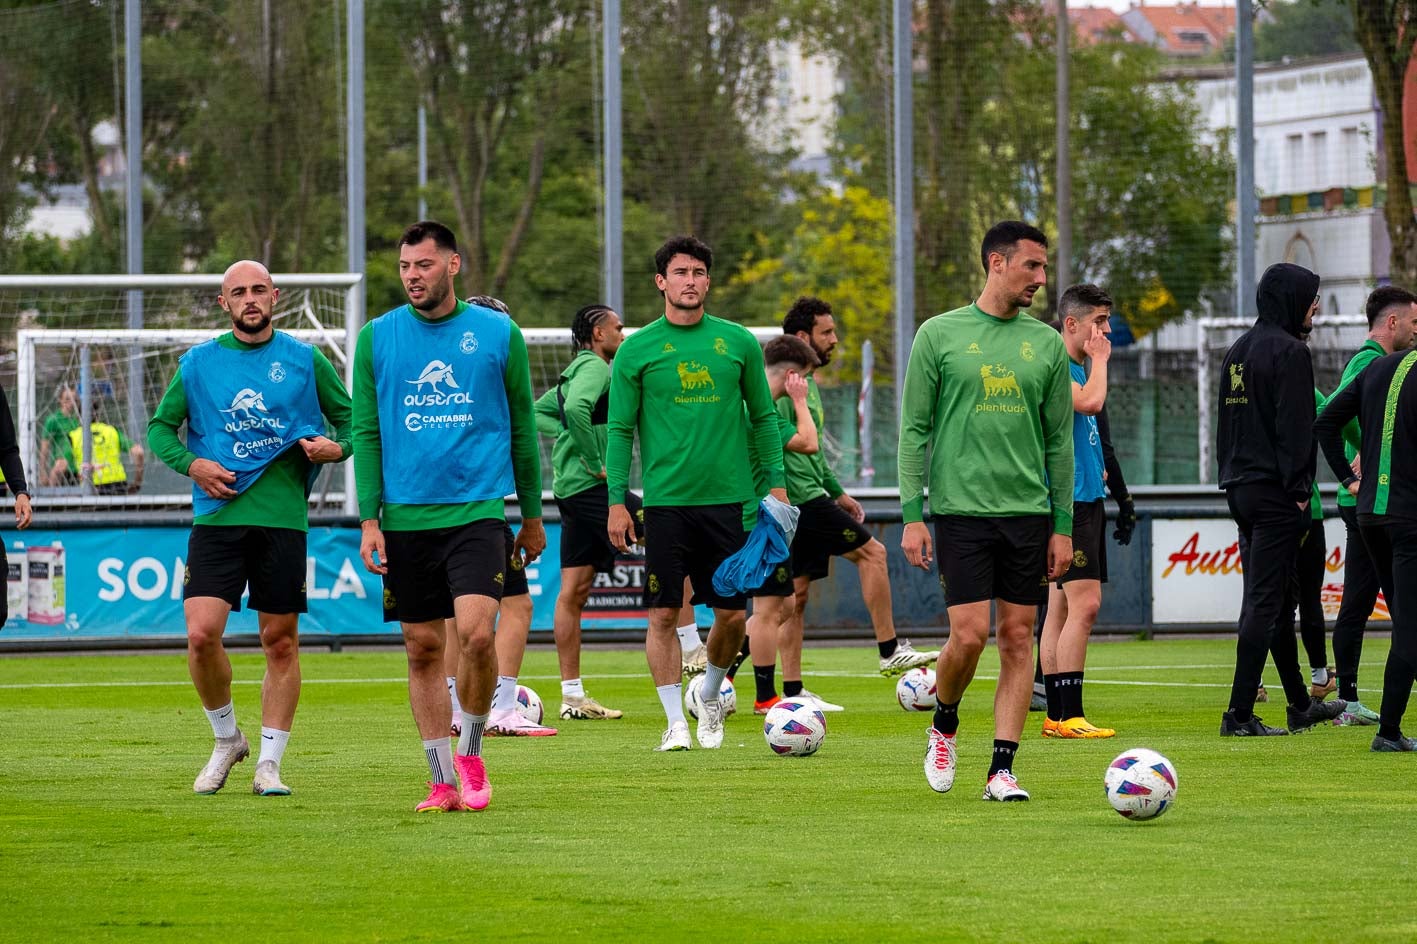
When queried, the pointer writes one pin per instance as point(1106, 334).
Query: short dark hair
point(442, 237)
point(1084, 295)
point(1384, 298)
point(487, 301)
point(583, 325)
point(803, 314)
point(792, 350)
point(685, 245)
point(1002, 237)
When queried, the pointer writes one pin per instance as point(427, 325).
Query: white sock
point(672, 698)
point(223, 720)
point(470, 741)
point(273, 742)
point(1319, 675)
point(689, 638)
point(439, 752)
point(505, 697)
point(713, 681)
point(453, 694)
point(572, 688)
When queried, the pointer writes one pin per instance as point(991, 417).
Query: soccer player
point(831, 526)
point(64, 438)
point(574, 412)
point(987, 393)
point(256, 402)
point(680, 384)
point(1309, 571)
point(434, 379)
point(14, 477)
point(1265, 446)
point(788, 361)
point(1384, 402)
point(1392, 326)
point(1074, 601)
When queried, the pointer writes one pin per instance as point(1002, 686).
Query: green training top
point(1316, 508)
point(277, 499)
point(682, 389)
point(369, 470)
point(808, 477)
point(1369, 352)
point(786, 429)
point(991, 400)
point(579, 451)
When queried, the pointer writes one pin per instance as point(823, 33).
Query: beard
point(682, 305)
point(824, 356)
point(433, 296)
point(241, 323)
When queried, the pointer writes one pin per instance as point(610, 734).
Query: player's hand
point(1126, 520)
point(212, 478)
point(1098, 347)
point(23, 514)
point(796, 386)
point(852, 507)
point(1060, 555)
point(600, 475)
point(1304, 504)
point(371, 547)
point(529, 543)
point(780, 494)
point(915, 542)
point(1353, 489)
point(621, 528)
point(1358, 466)
point(319, 450)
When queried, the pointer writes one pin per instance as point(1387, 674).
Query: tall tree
point(1386, 30)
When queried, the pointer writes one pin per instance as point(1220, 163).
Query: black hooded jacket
point(1266, 399)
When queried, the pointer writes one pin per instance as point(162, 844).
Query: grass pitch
point(593, 836)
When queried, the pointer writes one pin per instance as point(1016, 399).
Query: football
point(794, 727)
point(1140, 784)
point(529, 704)
point(915, 690)
point(726, 695)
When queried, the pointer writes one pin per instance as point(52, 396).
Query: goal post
point(73, 333)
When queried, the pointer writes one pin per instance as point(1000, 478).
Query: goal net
point(69, 353)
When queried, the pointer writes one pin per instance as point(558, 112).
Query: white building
point(802, 113)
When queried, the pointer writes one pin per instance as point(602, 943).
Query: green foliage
point(1301, 29)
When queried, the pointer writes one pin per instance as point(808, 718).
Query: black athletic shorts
point(1004, 558)
point(515, 585)
point(429, 569)
point(777, 584)
point(222, 560)
point(1089, 543)
point(824, 531)
point(585, 539)
point(690, 542)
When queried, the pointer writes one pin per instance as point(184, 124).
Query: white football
point(726, 695)
point(529, 704)
point(915, 690)
point(1140, 784)
point(794, 727)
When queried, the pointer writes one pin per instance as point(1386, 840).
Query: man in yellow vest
point(106, 471)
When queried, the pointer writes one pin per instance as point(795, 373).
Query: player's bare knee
point(204, 638)
point(280, 645)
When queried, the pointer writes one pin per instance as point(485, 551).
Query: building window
point(1300, 252)
point(1294, 160)
point(1193, 37)
point(1318, 143)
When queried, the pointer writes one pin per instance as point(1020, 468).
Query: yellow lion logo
point(999, 382)
point(1237, 378)
point(694, 376)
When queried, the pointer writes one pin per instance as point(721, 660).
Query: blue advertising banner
point(127, 582)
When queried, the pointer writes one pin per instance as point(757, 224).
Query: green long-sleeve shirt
point(991, 401)
point(682, 388)
point(1369, 352)
point(808, 477)
point(1316, 508)
point(369, 469)
point(277, 499)
point(579, 451)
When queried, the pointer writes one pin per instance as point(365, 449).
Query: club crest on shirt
point(720, 346)
point(277, 373)
point(1026, 351)
point(1079, 559)
point(468, 344)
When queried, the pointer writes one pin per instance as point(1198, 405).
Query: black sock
point(1241, 715)
point(1348, 687)
point(1004, 752)
point(1050, 692)
point(1070, 694)
point(888, 648)
point(946, 717)
point(791, 689)
point(765, 678)
point(1390, 731)
point(738, 660)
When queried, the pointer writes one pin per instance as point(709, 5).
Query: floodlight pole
point(612, 277)
point(1245, 208)
point(422, 162)
point(904, 162)
point(133, 154)
point(355, 241)
point(1062, 260)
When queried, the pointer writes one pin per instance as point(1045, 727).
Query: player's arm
point(548, 417)
point(801, 433)
point(11, 465)
point(1116, 483)
point(1056, 416)
point(211, 477)
point(526, 454)
point(369, 467)
point(1352, 435)
point(1294, 425)
point(917, 422)
point(1340, 410)
point(137, 461)
point(335, 405)
point(624, 417)
point(581, 391)
point(1088, 398)
point(762, 415)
